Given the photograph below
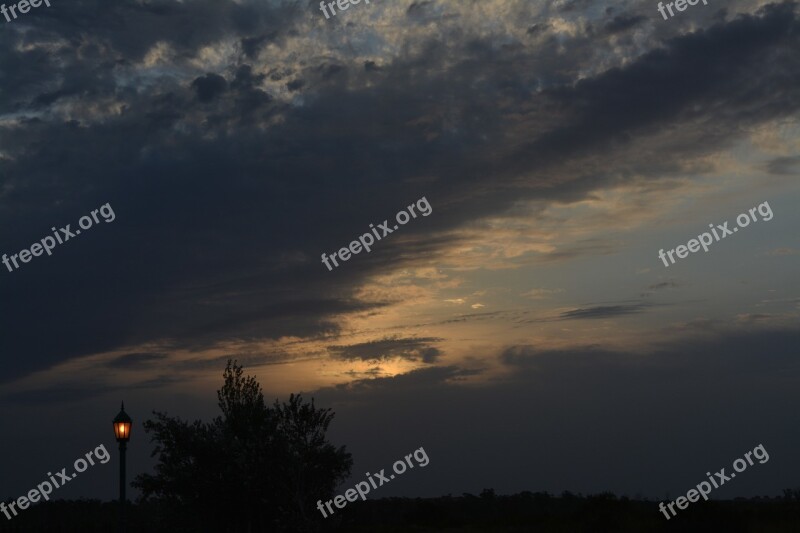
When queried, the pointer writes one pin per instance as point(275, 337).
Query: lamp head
point(122, 425)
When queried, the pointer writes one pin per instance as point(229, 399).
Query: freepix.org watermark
point(362, 487)
point(718, 479)
point(343, 5)
point(45, 488)
point(705, 239)
point(680, 5)
point(61, 236)
point(23, 6)
point(367, 240)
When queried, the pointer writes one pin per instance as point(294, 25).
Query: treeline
point(569, 513)
point(539, 512)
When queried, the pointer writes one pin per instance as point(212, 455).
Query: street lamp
point(122, 431)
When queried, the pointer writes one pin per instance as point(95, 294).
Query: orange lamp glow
point(122, 425)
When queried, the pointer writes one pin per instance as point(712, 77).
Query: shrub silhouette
point(253, 469)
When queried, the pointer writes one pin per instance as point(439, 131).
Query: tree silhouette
point(252, 469)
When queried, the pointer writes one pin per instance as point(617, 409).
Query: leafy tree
point(313, 467)
point(252, 469)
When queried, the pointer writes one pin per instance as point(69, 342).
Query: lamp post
point(122, 431)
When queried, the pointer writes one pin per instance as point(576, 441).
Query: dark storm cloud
point(136, 360)
point(525, 356)
point(221, 219)
point(418, 7)
point(475, 316)
point(678, 82)
point(754, 317)
point(186, 26)
point(408, 349)
point(253, 45)
point(69, 394)
point(422, 12)
point(593, 246)
point(759, 354)
point(603, 311)
point(621, 23)
point(122, 33)
point(172, 373)
point(209, 87)
point(698, 325)
point(373, 372)
point(247, 360)
point(720, 15)
point(663, 285)
point(574, 5)
point(421, 378)
point(537, 28)
point(295, 85)
point(784, 166)
point(627, 422)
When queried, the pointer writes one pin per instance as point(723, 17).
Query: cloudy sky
point(525, 332)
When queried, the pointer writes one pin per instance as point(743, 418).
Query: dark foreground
point(527, 511)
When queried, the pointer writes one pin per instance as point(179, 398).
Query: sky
point(524, 331)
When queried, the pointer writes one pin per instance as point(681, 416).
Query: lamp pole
point(122, 431)
point(123, 446)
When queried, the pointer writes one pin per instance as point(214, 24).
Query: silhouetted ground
point(527, 511)
point(569, 514)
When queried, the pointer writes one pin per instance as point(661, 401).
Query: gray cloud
point(215, 213)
